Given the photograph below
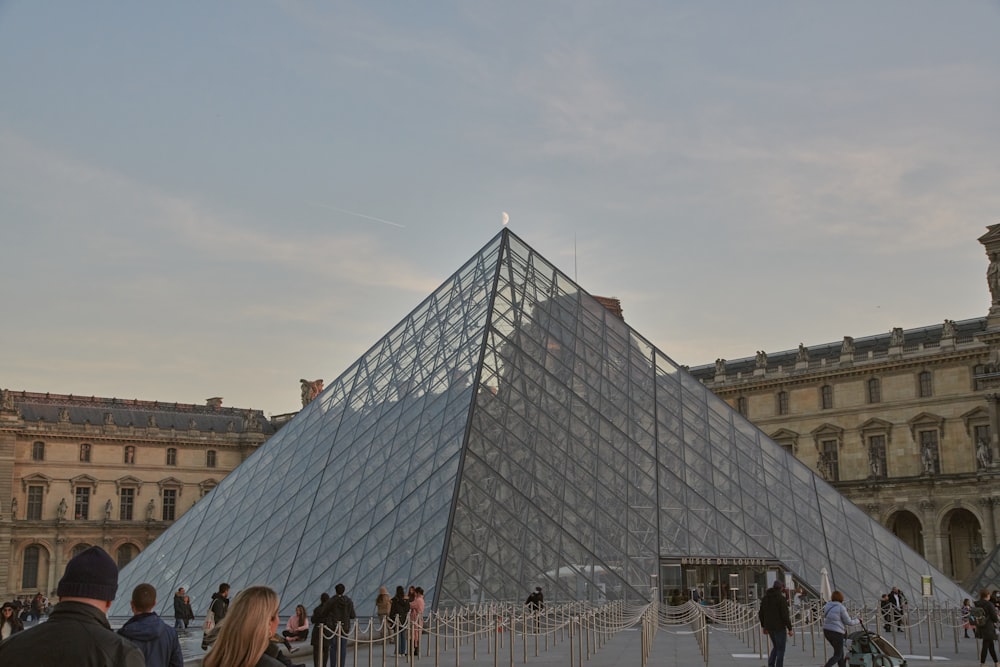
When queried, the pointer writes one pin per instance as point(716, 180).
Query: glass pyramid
point(512, 432)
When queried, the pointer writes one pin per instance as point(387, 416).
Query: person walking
point(157, 640)
point(988, 631)
point(775, 621)
point(179, 611)
point(835, 622)
point(77, 632)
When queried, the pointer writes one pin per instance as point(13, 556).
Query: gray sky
point(217, 199)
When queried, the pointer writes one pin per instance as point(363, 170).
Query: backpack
point(977, 617)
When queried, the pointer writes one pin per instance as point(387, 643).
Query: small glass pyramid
point(509, 433)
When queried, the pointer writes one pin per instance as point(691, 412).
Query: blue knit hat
point(90, 574)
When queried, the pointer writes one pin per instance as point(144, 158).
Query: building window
point(925, 384)
point(85, 453)
point(126, 503)
point(38, 451)
point(877, 457)
point(826, 397)
point(81, 509)
point(829, 460)
point(874, 391)
point(29, 575)
point(126, 553)
point(79, 549)
point(171, 456)
point(34, 509)
point(130, 454)
point(210, 458)
point(930, 461)
point(782, 402)
point(169, 504)
point(741, 405)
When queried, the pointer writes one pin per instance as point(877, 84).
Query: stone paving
point(672, 647)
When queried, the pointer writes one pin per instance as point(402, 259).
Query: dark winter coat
point(179, 611)
point(399, 609)
point(338, 609)
point(219, 606)
point(157, 641)
point(76, 634)
point(773, 612)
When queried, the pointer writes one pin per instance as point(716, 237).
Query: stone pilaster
point(988, 508)
point(932, 536)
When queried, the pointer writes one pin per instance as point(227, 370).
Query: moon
point(505, 217)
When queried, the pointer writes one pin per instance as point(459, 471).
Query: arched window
point(29, 573)
point(126, 553)
point(38, 451)
point(79, 549)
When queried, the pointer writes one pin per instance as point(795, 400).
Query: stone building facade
point(77, 472)
point(904, 424)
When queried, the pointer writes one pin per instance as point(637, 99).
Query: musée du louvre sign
point(713, 560)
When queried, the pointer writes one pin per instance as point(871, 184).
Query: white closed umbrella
point(825, 589)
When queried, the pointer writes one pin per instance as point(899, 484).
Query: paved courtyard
point(672, 647)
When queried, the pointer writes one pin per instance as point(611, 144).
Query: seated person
point(298, 626)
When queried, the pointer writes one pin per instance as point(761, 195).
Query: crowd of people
point(27, 608)
point(240, 632)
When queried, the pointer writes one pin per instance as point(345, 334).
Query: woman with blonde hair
point(246, 632)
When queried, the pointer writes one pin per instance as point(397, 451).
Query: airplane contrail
point(362, 215)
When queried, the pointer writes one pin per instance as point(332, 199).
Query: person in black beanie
point(77, 632)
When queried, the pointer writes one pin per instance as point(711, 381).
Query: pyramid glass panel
point(512, 432)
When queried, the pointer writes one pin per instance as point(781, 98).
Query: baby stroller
point(868, 650)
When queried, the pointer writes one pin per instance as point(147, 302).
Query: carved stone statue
point(6, 399)
point(13, 509)
point(928, 460)
point(874, 464)
point(64, 414)
point(803, 353)
point(310, 390)
point(993, 278)
point(761, 361)
point(896, 337)
point(150, 508)
point(823, 466)
point(948, 330)
point(982, 454)
point(61, 510)
point(847, 347)
point(107, 510)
